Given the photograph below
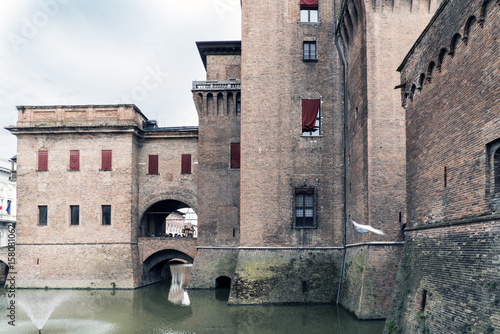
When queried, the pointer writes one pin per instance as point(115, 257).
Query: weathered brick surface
point(458, 267)
point(210, 264)
point(374, 37)
point(452, 115)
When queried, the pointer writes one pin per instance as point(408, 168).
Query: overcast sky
point(56, 52)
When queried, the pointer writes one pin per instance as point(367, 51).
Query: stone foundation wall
point(211, 263)
point(456, 268)
point(267, 276)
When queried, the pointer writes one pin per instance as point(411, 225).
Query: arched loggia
point(156, 267)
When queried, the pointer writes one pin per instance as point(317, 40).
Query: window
point(106, 160)
point(153, 164)
point(74, 160)
point(106, 215)
point(42, 215)
point(186, 164)
point(235, 156)
point(75, 214)
point(311, 118)
point(308, 10)
point(238, 104)
point(43, 160)
point(309, 51)
point(304, 207)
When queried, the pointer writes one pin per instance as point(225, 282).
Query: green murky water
point(168, 308)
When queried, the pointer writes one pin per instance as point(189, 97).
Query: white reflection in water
point(180, 277)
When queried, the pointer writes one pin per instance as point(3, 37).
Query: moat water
point(168, 308)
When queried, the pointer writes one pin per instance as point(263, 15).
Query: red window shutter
point(74, 160)
point(43, 160)
point(310, 109)
point(308, 4)
point(107, 160)
point(186, 164)
point(153, 164)
point(235, 155)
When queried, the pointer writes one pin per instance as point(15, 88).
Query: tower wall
point(374, 37)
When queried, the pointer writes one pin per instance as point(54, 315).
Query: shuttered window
point(235, 155)
point(43, 160)
point(153, 164)
point(74, 160)
point(186, 164)
point(106, 159)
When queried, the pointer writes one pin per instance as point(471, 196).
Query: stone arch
point(467, 28)
point(220, 104)
point(441, 56)
point(454, 42)
point(421, 81)
point(155, 268)
point(430, 69)
point(210, 103)
point(237, 108)
point(230, 103)
point(485, 7)
point(153, 219)
point(412, 92)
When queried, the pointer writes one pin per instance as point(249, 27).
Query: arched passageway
point(169, 218)
point(156, 267)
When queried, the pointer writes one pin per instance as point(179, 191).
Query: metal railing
point(217, 85)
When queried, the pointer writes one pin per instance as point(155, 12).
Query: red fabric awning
point(310, 109)
point(308, 4)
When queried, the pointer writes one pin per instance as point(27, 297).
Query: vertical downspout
point(344, 141)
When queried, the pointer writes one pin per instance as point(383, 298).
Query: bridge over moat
point(155, 253)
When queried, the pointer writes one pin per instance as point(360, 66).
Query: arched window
point(238, 104)
point(413, 88)
point(230, 104)
point(468, 27)
point(454, 42)
point(496, 171)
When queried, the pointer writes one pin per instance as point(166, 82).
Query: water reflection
point(167, 308)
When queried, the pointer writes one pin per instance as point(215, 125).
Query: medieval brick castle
point(301, 131)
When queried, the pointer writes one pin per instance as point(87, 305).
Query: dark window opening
point(304, 207)
point(153, 164)
point(43, 160)
point(222, 282)
point(74, 160)
point(424, 300)
point(186, 164)
point(42, 215)
point(445, 176)
point(234, 232)
point(496, 171)
point(304, 286)
point(235, 156)
point(400, 217)
point(75, 214)
point(238, 104)
point(309, 51)
point(106, 215)
point(106, 159)
point(453, 45)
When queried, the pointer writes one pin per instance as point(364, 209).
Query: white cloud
point(93, 52)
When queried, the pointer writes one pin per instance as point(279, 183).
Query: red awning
point(308, 4)
point(310, 109)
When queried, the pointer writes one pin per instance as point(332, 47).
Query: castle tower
point(374, 37)
point(218, 102)
point(291, 154)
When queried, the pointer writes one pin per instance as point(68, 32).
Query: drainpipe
point(344, 83)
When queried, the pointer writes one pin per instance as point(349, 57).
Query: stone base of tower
point(210, 264)
point(286, 275)
point(77, 266)
point(369, 277)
